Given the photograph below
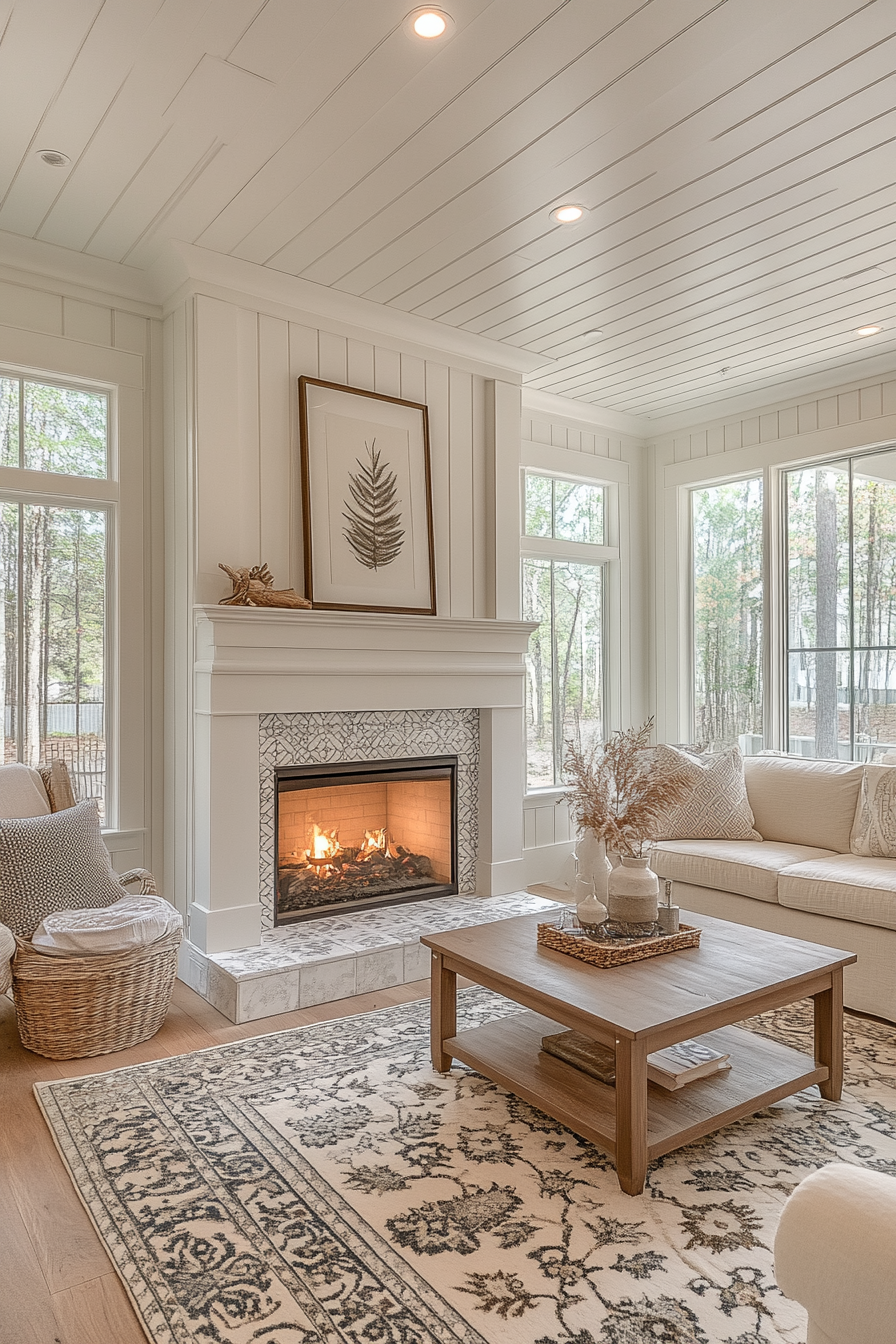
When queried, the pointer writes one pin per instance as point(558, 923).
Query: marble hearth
point(301, 965)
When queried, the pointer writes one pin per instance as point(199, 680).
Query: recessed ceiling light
point(868, 331)
point(430, 23)
point(567, 214)
point(593, 331)
point(54, 158)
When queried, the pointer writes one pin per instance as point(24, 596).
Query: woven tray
point(617, 953)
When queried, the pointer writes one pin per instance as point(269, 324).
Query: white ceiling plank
point(781, 285)
point(726, 84)
point(281, 29)
point(656, 117)
point(513, 317)
point(738, 164)
point(654, 299)
point(89, 89)
point(172, 47)
point(443, 182)
point(628, 290)
point(32, 70)
point(763, 344)
point(633, 212)
point(362, 53)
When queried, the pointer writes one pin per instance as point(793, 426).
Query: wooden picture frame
point(366, 500)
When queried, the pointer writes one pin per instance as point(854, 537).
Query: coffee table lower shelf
point(508, 1051)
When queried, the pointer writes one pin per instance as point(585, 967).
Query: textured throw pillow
point(51, 863)
point(874, 829)
point(716, 806)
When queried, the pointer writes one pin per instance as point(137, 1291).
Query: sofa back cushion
point(803, 802)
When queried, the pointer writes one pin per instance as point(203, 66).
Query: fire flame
point(324, 845)
point(377, 842)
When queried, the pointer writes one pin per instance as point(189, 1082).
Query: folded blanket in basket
point(134, 921)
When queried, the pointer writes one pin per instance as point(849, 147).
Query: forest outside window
point(563, 590)
point(727, 597)
point(841, 607)
point(54, 553)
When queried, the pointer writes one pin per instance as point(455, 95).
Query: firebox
point(361, 834)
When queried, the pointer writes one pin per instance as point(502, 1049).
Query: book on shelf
point(670, 1068)
point(685, 1063)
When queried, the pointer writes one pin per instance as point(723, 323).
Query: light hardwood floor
point(57, 1285)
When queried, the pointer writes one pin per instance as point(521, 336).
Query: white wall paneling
point(233, 365)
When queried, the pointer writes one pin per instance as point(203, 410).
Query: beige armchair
point(835, 1254)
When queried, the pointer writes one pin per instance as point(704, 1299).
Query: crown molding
point(584, 413)
point(181, 268)
point(91, 279)
point(843, 377)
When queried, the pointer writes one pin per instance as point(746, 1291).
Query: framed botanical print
point(366, 500)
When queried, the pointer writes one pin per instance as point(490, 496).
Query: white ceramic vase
point(591, 880)
point(592, 863)
point(633, 892)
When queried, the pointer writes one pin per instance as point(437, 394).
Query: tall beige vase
point(633, 893)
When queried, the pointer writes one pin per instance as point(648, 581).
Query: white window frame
point(578, 552)
point(775, 593)
point(21, 485)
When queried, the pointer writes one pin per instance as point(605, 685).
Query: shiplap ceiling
point(736, 159)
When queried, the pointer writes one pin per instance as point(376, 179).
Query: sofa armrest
point(835, 1253)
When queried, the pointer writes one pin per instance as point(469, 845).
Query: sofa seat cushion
point(746, 867)
point(844, 886)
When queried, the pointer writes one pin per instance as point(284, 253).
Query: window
point(726, 544)
point(54, 563)
point(563, 556)
point(841, 607)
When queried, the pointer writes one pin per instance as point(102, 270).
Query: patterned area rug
point(324, 1186)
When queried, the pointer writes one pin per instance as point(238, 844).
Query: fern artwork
point(373, 518)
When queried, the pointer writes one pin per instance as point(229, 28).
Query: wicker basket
point(75, 1007)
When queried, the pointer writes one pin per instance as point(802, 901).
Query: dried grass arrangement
point(616, 792)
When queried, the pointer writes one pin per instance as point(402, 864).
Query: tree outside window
point(726, 541)
point(53, 567)
point(564, 593)
point(841, 599)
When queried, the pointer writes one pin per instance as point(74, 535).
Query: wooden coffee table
point(734, 974)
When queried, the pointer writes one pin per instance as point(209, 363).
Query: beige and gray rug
point(324, 1186)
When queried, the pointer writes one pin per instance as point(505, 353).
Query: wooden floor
point(57, 1285)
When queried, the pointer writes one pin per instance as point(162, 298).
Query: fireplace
point(359, 834)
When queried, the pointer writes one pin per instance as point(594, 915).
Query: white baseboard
point(498, 879)
point(224, 930)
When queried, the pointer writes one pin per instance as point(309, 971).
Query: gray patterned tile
point(381, 735)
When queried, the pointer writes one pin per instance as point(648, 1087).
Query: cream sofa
point(800, 879)
point(835, 1253)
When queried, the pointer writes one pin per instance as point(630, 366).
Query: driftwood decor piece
point(255, 588)
point(366, 500)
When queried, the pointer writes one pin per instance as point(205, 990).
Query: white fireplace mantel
point(262, 660)
point(251, 661)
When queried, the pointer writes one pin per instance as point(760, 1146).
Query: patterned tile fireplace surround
point(277, 689)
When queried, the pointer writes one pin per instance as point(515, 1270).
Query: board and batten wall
point(839, 420)
point(54, 327)
point(578, 449)
point(232, 434)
